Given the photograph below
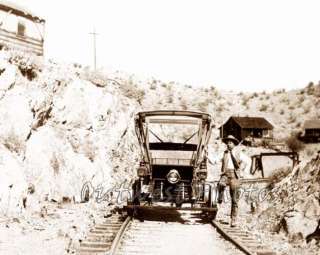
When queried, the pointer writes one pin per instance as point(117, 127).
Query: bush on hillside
point(28, 64)
point(13, 143)
point(245, 101)
point(97, 77)
point(131, 90)
point(292, 119)
point(294, 144)
point(310, 88)
point(263, 108)
point(278, 175)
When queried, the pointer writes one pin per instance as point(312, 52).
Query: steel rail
point(117, 239)
point(232, 240)
point(242, 240)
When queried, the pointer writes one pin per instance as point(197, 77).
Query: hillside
point(63, 125)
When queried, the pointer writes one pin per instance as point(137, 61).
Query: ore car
point(173, 169)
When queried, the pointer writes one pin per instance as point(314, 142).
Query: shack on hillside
point(20, 28)
point(247, 127)
point(311, 131)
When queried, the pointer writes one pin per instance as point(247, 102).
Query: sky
point(247, 45)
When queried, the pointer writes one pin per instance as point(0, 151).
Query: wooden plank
point(175, 121)
point(25, 47)
point(26, 39)
point(19, 11)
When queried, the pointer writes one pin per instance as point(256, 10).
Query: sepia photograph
point(153, 127)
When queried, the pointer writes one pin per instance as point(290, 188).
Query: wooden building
point(20, 28)
point(247, 127)
point(311, 131)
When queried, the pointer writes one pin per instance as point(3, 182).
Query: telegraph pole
point(94, 34)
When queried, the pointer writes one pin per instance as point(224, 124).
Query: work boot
point(233, 222)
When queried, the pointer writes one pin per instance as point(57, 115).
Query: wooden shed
point(311, 131)
point(20, 28)
point(244, 127)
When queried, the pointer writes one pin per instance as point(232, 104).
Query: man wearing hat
point(233, 165)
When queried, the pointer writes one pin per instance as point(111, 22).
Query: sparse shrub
point(203, 106)
point(131, 90)
point(96, 77)
point(170, 99)
point(153, 85)
point(28, 63)
point(265, 143)
point(309, 152)
point(263, 108)
point(267, 97)
point(284, 100)
point(255, 94)
point(292, 119)
point(89, 150)
point(13, 143)
point(317, 90)
point(245, 101)
point(220, 108)
point(54, 162)
point(301, 99)
point(291, 107)
point(293, 143)
point(184, 105)
point(310, 88)
point(281, 112)
point(279, 174)
point(306, 109)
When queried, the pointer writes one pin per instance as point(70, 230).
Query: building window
point(21, 29)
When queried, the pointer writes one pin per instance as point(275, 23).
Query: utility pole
point(94, 34)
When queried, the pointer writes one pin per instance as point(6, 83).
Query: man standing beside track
point(233, 165)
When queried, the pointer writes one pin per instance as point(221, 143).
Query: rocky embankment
point(62, 125)
point(290, 222)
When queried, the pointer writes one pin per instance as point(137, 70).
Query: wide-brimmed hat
point(230, 138)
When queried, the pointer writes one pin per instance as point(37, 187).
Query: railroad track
point(244, 240)
point(103, 237)
point(189, 235)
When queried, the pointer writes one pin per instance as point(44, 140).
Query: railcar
point(172, 172)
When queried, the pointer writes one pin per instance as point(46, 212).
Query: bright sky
point(241, 45)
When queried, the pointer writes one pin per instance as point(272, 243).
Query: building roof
point(19, 11)
point(312, 124)
point(252, 122)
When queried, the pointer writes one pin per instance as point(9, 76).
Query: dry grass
point(54, 162)
point(13, 143)
point(294, 144)
point(279, 174)
point(263, 108)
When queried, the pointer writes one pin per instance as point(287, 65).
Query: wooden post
point(94, 34)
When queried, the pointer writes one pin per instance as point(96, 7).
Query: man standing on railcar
point(233, 165)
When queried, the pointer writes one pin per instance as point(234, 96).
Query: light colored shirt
point(240, 156)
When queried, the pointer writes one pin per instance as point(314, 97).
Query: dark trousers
point(230, 179)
